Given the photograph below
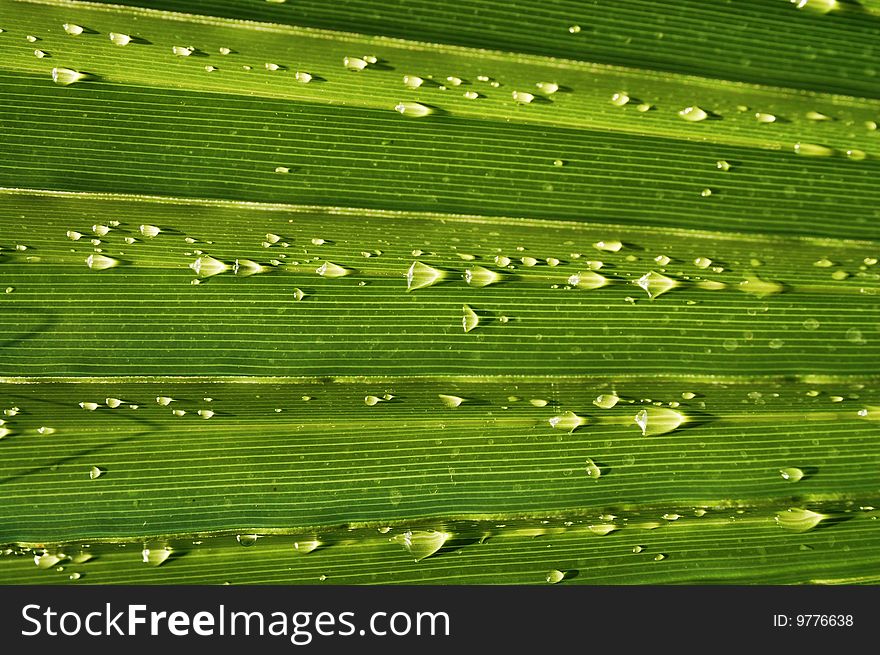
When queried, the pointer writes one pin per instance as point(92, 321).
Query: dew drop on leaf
point(568, 421)
point(656, 284)
point(799, 520)
point(478, 276)
point(117, 38)
point(606, 401)
point(654, 421)
point(99, 262)
point(155, 556)
point(421, 543)
point(791, 474)
point(421, 275)
point(66, 76)
point(470, 320)
point(331, 270)
point(693, 114)
point(554, 576)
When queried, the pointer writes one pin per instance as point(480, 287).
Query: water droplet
point(791, 474)
point(421, 275)
point(66, 76)
point(593, 472)
point(659, 557)
point(155, 556)
point(856, 154)
point(588, 280)
point(658, 420)
point(207, 266)
point(870, 413)
point(548, 88)
point(47, 560)
point(765, 118)
point(471, 95)
point(46, 431)
point(812, 150)
point(371, 401)
point(413, 81)
point(73, 29)
point(818, 6)
point(811, 324)
point(555, 576)
point(89, 406)
point(120, 39)
point(101, 262)
point(96, 472)
point(602, 529)
point(39, 54)
point(478, 276)
point(823, 263)
point(421, 543)
point(113, 403)
point(298, 294)
point(182, 51)
point(205, 413)
point(331, 270)
point(282, 169)
point(645, 106)
point(538, 402)
point(722, 165)
point(608, 246)
point(606, 401)
point(247, 539)
point(523, 97)
point(354, 63)
point(619, 99)
point(10, 289)
point(31, 38)
point(247, 267)
point(178, 412)
point(450, 401)
point(302, 77)
point(224, 50)
point(149, 231)
point(706, 192)
point(568, 421)
point(470, 320)
point(799, 520)
point(656, 284)
point(574, 29)
point(164, 401)
point(854, 335)
point(758, 287)
point(638, 549)
point(702, 262)
point(693, 114)
point(412, 109)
